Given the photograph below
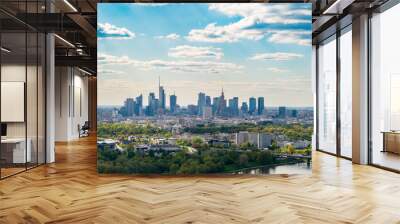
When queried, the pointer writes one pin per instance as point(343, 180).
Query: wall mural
point(196, 88)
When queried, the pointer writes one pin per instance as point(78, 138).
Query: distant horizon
point(300, 107)
point(249, 50)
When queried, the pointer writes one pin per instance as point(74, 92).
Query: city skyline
point(207, 106)
point(248, 50)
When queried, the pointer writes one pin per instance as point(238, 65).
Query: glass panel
point(385, 84)
point(327, 96)
point(41, 99)
point(13, 87)
point(346, 94)
point(31, 98)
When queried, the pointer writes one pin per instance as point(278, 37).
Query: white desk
point(19, 154)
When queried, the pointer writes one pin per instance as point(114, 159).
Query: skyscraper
point(244, 108)
point(260, 105)
point(152, 105)
point(233, 106)
point(221, 104)
point(208, 101)
point(129, 107)
point(201, 102)
point(252, 105)
point(161, 95)
point(215, 104)
point(172, 103)
point(282, 112)
point(139, 105)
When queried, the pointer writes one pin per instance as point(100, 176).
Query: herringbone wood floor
point(70, 191)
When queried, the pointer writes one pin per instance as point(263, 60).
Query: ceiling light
point(84, 71)
point(70, 5)
point(64, 40)
point(337, 7)
point(5, 50)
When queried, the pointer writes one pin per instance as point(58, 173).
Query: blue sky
point(247, 49)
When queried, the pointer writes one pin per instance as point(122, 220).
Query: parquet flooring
point(71, 191)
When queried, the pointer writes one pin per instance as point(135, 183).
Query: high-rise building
point(282, 112)
point(139, 105)
point(233, 105)
point(260, 105)
point(294, 113)
point(129, 107)
point(201, 102)
point(244, 108)
point(215, 104)
point(252, 105)
point(172, 103)
point(161, 95)
point(221, 104)
point(208, 101)
point(152, 105)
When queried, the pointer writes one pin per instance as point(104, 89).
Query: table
point(391, 141)
point(13, 150)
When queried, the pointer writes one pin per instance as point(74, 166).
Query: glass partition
point(385, 89)
point(13, 105)
point(22, 88)
point(327, 95)
point(346, 93)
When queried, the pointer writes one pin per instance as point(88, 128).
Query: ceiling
point(75, 21)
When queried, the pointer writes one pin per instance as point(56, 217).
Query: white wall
point(71, 103)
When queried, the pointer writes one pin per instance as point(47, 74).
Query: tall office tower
point(161, 95)
point(260, 105)
point(152, 107)
point(282, 112)
point(221, 104)
point(201, 102)
point(244, 108)
point(215, 104)
point(139, 105)
point(252, 105)
point(294, 113)
point(172, 103)
point(129, 107)
point(233, 105)
point(208, 101)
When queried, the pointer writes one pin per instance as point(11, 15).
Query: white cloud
point(299, 37)
point(172, 36)
point(253, 22)
point(109, 31)
point(186, 51)
point(108, 71)
point(182, 66)
point(277, 56)
point(277, 70)
point(150, 4)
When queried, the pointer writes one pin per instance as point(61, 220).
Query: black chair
point(84, 130)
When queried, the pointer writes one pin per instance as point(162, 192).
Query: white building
point(253, 138)
point(242, 137)
point(264, 140)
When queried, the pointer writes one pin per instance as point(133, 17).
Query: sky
point(246, 49)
